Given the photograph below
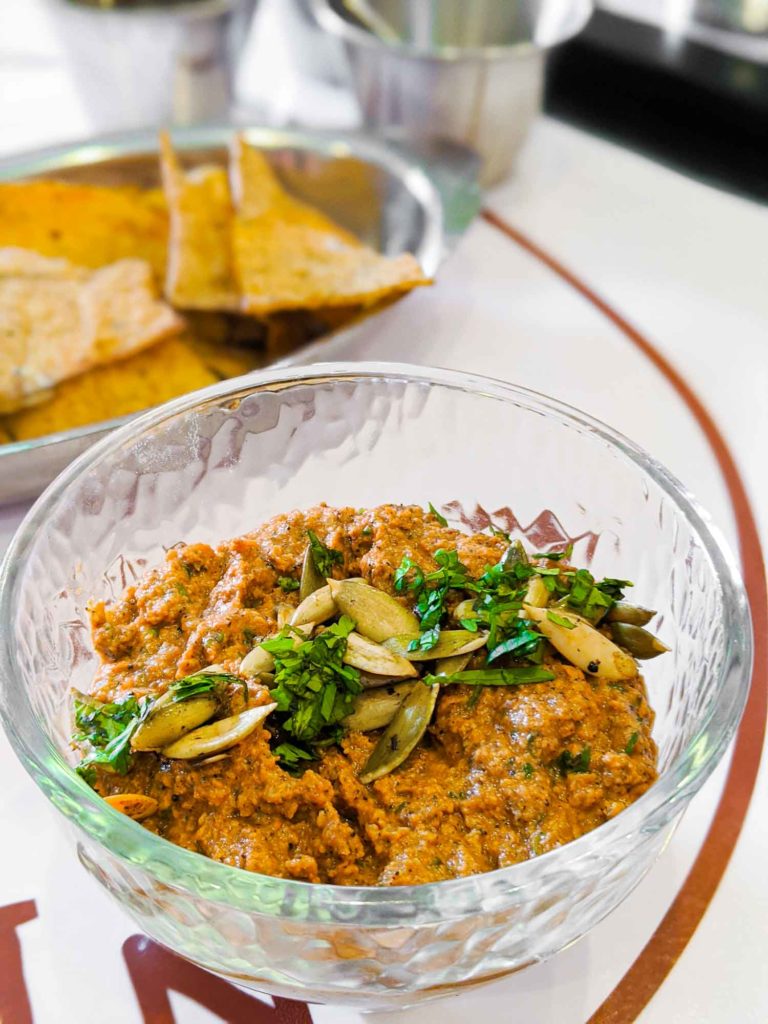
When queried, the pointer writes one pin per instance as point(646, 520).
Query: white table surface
point(686, 265)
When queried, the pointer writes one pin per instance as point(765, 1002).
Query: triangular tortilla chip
point(58, 320)
point(290, 256)
point(89, 225)
point(200, 273)
point(166, 370)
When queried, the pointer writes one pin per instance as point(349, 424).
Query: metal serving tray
point(395, 200)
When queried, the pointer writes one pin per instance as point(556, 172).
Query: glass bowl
point(215, 464)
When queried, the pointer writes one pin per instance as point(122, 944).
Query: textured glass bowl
point(213, 465)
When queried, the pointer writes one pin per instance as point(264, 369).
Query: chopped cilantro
point(290, 755)
point(441, 519)
point(568, 763)
point(430, 590)
point(494, 676)
point(632, 743)
point(200, 682)
point(554, 556)
point(528, 770)
point(560, 620)
point(107, 729)
point(181, 589)
point(287, 584)
point(324, 557)
point(314, 690)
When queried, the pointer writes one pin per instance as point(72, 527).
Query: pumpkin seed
point(537, 595)
point(369, 681)
point(639, 642)
point(632, 614)
point(584, 646)
point(514, 555)
point(259, 661)
point(373, 658)
point(311, 578)
point(169, 720)
point(456, 663)
point(376, 615)
point(375, 708)
point(134, 805)
point(464, 610)
point(284, 612)
point(450, 643)
point(218, 736)
point(402, 734)
point(318, 607)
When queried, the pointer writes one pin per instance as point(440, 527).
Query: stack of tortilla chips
point(248, 273)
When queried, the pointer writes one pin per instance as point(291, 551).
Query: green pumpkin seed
point(376, 614)
point(450, 643)
point(370, 657)
point(318, 607)
point(311, 578)
point(402, 734)
point(463, 610)
point(537, 595)
point(514, 555)
point(583, 645)
point(376, 708)
point(447, 666)
point(639, 642)
point(632, 614)
point(284, 613)
point(218, 736)
point(169, 720)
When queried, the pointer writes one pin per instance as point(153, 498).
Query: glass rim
point(329, 19)
point(308, 901)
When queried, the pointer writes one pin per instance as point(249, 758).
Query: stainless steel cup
point(466, 71)
point(152, 64)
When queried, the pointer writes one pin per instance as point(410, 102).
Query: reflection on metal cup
point(155, 63)
point(468, 72)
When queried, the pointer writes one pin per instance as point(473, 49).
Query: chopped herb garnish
point(367, 531)
point(200, 682)
point(324, 557)
point(314, 690)
point(528, 770)
point(430, 590)
point(290, 755)
point(574, 764)
point(592, 599)
point(287, 584)
point(632, 743)
point(560, 620)
point(441, 519)
point(554, 556)
point(249, 637)
point(107, 731)
point(181, 589)
point(494, 676)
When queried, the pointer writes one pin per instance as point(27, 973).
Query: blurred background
point(684, 81)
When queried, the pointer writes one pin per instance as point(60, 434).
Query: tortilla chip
point(290, 256)
point(89, 225)
point(169, 369)
point(200, 273)
point(58, 320)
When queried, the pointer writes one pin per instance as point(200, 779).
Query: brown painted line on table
point(664, 948)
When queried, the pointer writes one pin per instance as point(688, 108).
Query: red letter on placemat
point(155, 970)
point(14, 1000)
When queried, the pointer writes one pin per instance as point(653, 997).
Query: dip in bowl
point(217, 464)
